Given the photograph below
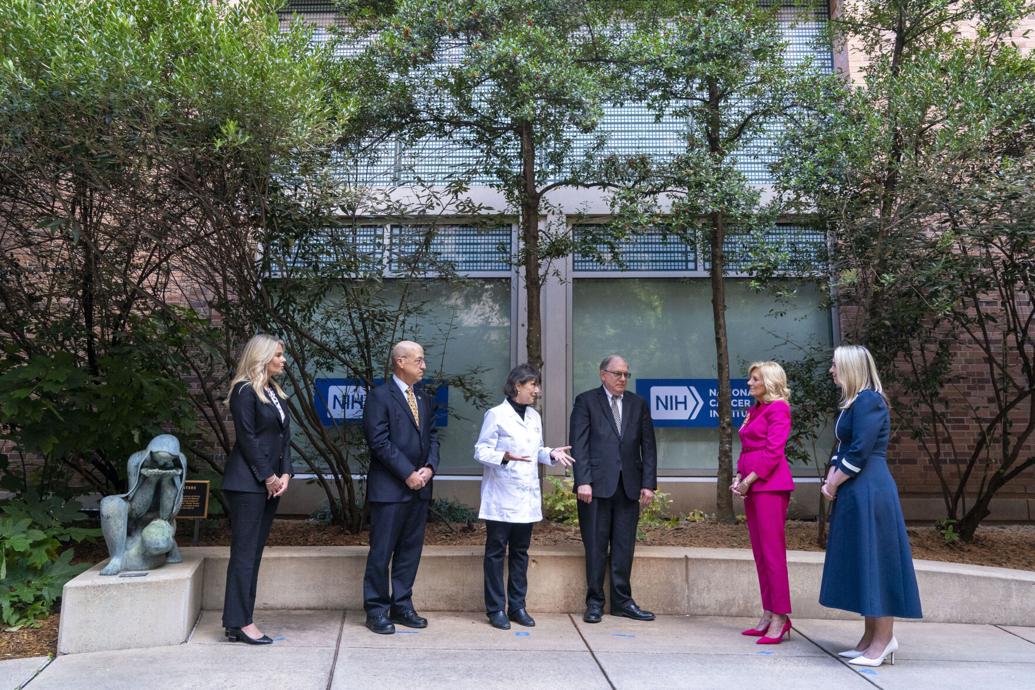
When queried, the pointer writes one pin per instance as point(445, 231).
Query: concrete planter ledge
point(117, 613)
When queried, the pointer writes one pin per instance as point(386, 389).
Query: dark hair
point(522, 373)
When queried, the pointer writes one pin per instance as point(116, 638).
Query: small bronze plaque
point(195, 500)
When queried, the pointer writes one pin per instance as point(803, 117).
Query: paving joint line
point(337, 647)
point(1013, 633)
point(40, 670)
point(837, 658)
point(592, 653)
point(194, 628)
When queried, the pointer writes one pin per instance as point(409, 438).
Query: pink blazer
point(763, 439)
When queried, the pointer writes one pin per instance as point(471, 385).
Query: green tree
point(721, 67)
point(916, 169)
point(125, 129)
point(512, 85)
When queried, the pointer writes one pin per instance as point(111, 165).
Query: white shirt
point(511, 493)
point(403, 386)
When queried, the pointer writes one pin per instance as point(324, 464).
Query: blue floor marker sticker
point(521, 634)
point(279, 638)
point(868, 671)
point(622, 635)
point(766, 653)
point(405, 632)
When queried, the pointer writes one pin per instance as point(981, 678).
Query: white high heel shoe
point(851, 653)
point(889, 653)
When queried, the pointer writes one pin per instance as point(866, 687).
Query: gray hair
point(606, 361)
point(522, 373)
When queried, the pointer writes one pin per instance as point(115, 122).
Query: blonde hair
point(251, 367)
point(856, 372)
point(774, 378)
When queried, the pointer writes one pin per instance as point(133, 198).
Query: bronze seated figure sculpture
point(139, 526)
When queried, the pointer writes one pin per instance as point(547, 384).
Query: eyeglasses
point(620, 374)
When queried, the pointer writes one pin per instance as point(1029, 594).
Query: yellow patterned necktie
point(413, 406)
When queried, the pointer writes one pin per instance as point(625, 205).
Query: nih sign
point(340, 401)
point(691, 402)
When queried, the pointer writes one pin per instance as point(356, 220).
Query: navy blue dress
point(869, 566)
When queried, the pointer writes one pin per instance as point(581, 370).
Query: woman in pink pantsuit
point(764, 481)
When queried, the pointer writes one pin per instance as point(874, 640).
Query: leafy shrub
point(449, 511)
point(560, 504)
point(33, 568)
point(949, 530)
point(697, 516)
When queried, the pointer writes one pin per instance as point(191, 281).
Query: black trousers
point(251, 515)
point(498, 536)
point(609, 524)
point(396, 540)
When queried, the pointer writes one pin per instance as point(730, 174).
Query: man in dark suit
point(612, 437)
point(399, 425)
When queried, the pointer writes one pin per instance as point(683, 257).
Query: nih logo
point(691, 402)
point(675, 402)
point(346, 402)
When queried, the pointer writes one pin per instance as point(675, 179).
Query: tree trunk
point(724, 472)
point(724, 475)
point(530, 246)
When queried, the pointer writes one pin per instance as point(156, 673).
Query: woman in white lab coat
point(509, 446)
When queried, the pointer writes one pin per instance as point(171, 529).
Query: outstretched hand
point(560, 456)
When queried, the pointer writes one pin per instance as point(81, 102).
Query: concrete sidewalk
point(332, 649)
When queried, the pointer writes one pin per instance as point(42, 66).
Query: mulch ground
point(1005, 546)
point(28, 642)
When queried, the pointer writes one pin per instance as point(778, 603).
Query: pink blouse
point(763, 440)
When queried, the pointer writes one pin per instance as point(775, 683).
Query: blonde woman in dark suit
point(256, 476)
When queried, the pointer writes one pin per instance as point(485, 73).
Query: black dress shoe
point(237, 635)
point(593, 614)
point(410, 619)
point(380, 625)
point(521, 617)
point(633, 611)
point(498, 619)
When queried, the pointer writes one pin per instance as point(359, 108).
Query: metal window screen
point(794, 249)
point(354, 249)
point(466, 248)
point(653, 250)
point(628, 129)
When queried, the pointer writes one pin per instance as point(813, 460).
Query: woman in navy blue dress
point(869, 565)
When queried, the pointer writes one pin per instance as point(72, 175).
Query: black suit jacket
point(397, 446)
point(263, 442)
point(602, 455)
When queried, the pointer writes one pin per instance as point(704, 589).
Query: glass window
point(464, 327)
point(663, 326)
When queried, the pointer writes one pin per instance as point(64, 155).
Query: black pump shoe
point(237, 635)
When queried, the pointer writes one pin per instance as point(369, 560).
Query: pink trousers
point(766, 513)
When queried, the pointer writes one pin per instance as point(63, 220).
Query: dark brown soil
point(1005, 546)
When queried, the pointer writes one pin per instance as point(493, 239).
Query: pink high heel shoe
point(785, 630)
point(754, 632)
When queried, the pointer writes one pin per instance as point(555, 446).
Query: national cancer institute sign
point(340, 401)
point(691, 402)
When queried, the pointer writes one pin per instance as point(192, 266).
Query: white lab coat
point(511, 493)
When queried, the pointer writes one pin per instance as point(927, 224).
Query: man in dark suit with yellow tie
point(399, 425)
point(612, 437)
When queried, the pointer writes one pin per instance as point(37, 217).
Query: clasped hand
point(276, 485)
point(418, 479)
point(740, 486)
